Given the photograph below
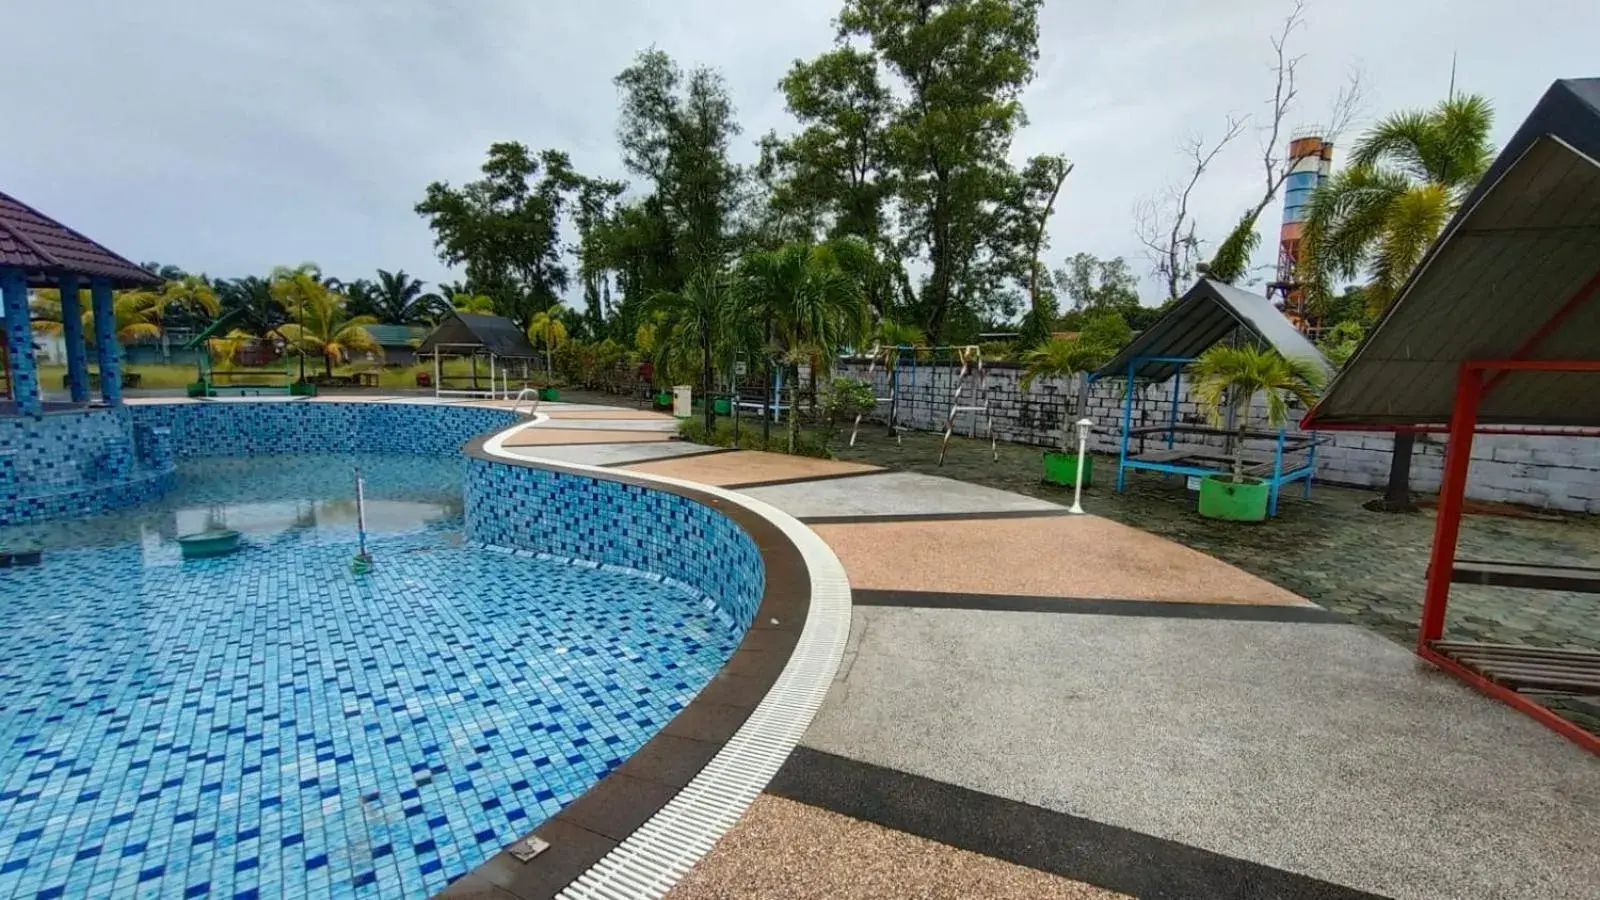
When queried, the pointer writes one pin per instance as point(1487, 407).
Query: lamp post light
point(1084, 425)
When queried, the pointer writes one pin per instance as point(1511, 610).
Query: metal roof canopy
point(1208, 313)
point(496, 334)
point(45, 250)
point(1513, 276)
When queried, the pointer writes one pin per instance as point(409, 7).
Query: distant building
point(399, 342)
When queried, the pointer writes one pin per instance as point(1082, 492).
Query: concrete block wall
point(1549, 472)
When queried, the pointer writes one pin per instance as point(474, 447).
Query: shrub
point(807, 443)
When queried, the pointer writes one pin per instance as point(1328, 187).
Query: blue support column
point(105, 342)
point(72, 334)
point(1172, 417)
point(19, 343)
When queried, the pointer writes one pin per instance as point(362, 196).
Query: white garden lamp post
point(1084, 425)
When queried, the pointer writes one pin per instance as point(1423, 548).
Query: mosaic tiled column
point(106, 347)
point(72, 334)
point(19, 342)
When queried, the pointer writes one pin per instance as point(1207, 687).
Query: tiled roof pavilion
point(45, 250)
point(36, 251)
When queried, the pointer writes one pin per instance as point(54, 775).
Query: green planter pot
point(663, 399)
point(1062, 468)
point(550, 394)
point(1221, 498)
point(722, 406)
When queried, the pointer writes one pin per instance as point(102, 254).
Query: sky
point(227, 136)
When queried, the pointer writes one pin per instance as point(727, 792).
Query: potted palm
point(1229, 378)
point(1063, 358)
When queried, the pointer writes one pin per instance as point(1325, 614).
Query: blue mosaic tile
point(269, 724)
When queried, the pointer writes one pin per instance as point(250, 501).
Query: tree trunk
point(794, 406)
point(327, 363)
point(1397, 493)
point(705, 378)
point(1238, 446)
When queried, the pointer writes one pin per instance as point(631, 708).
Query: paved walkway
point(1090, 707)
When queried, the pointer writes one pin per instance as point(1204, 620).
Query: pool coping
point(638, 830)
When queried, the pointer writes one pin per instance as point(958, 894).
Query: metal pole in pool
point(1084, 425)
point(362, 564)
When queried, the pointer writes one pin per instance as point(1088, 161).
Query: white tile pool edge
point(662, 850)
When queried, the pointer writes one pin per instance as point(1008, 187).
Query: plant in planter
point(1229, 378)
point(1064, 358)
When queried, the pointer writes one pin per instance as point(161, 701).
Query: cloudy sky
point(229, 136)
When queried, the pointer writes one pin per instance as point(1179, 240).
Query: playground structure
point(212, 382)
point(495, 340)
point(966, 378)
point(1497, 331)
point(1211, 312)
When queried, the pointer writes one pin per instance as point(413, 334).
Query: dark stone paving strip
point(801, 479)
point(1147, 867)
point(1165, 609)
point(634, 462)
point(935, 517)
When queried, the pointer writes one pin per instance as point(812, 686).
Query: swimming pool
point(268, 724)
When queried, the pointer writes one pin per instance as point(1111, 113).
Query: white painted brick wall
point(1553, 472)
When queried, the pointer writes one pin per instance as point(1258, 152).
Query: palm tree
point(319, 321)
point(361, 297)
point(814, 307)
point(1061, 357)
point(398, 298)
point(1375, 219)
point(548, 330)
point(1228, 378)
point(253, 294)
point(136, 315)
point(472, 303)
point(688, 327)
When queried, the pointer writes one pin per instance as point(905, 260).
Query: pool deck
point(1039, 705)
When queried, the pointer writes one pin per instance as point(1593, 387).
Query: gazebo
point(1209, 313)
point(1498, 332)
point(474, 335)
point(36, 251)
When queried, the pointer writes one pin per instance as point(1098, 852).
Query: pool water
point(269, 724)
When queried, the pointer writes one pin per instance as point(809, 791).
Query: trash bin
point(682, 401)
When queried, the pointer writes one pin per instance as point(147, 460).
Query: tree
point(360, 297)
point(1228, 378)
point(135, 314)
point(1061, 357)
point(1091, 283)
point(1164, 224)
point(687, 327)
point(960, 66)
point(548, 329)
point(477, 304)
point(397, 298)
point(1231, 260)
point(505, 227)
point(1376, 218)
point(1037, 187)
point(675, 130)
point(252, 294)
point(814, 306)
point(833, 177)
point(318, 321)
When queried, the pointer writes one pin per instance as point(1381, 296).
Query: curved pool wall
point(78, 462)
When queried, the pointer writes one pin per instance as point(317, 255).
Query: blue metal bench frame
point(1278, 478)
